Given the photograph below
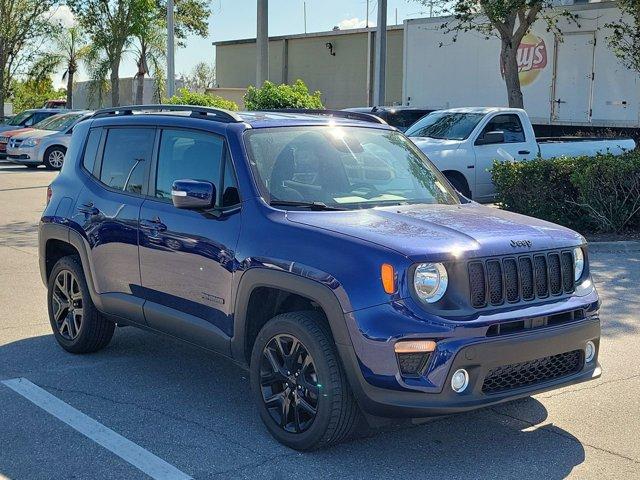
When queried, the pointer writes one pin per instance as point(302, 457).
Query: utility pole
point(262, 43)
point(171, 65)
point(366, 24)
point(381, 55)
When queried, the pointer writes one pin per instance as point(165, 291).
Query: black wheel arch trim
point(315, 291)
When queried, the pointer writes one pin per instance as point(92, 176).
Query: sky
point(236, 19)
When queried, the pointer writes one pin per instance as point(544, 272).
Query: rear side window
point(126, 153)
point(509, 124)
point(91, 150)
point(188, 155)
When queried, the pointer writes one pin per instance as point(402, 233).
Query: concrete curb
point(625, 246)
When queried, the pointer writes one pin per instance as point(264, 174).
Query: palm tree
point(70, 48)
point(150, 52)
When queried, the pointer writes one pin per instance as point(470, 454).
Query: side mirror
point(193, 194)
point(491, 138)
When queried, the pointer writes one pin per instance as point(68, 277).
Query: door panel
point(515, 147)
point(187, 257)
point(574, 77)
point(108, 209)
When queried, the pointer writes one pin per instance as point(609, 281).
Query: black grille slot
point(494, 277)
point(526, 277)
point(540, 274)
point(510, 268)
point(567, 271)
point(477, 284)
point(518, 375)
point(555, 274)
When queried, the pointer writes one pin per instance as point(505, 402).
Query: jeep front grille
point(513, 279)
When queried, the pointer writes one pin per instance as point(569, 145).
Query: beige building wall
point(345, 79)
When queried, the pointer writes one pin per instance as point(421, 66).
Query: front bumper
point(23, 156)
point(478, 356)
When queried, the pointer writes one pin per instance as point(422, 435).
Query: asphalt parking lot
point(191, 409)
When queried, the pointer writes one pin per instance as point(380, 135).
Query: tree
point(69, 49)
point(111, 24)
point(150, 50)
point(202, 77)
point(508, 20)
point(272, 96)
point(33, 93)
point(114, 25)
point(625, 38)
point(23, 26)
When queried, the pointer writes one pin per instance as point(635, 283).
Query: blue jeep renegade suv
point(323, 251)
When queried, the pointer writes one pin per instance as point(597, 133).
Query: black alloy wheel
point(289, 383)
point(67, 305)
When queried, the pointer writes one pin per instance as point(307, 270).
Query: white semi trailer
point(573, 79)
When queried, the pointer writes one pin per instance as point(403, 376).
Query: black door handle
point(154, 225)
point(88, 209)
point(523, 152)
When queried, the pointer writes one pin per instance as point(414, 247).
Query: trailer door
point(574, 77)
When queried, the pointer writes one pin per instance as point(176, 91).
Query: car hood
point(34, 133)
point(439, 232)
point(433, 145)
point(11, 133)
point(6, 128)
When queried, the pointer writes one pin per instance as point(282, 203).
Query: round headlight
point(578, 263)
point(430, 281)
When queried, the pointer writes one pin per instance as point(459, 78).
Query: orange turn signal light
point(415, 346)
point(388, 278)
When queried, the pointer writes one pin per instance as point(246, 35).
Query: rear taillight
point(49, 193)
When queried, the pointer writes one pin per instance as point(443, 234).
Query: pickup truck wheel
point(77, 325)
point(299, 383)
point(459, 183)
point(54, 158)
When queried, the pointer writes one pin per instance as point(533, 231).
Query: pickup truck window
point(343, 167)
point(509, 124)
point(446, 126)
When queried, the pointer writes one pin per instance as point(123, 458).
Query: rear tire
point(337, 415)
point(76, 323)
point(54, 158)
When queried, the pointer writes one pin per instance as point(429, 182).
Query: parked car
point(6, 136)
point(28, 118)
point(326, 254)
point(464, 142)
point(399, 117)
point(47, 143)
point(59, 103)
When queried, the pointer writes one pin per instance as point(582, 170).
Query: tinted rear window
point(126, 152)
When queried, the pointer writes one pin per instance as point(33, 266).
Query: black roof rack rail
point(365, 117)
point(216, 114)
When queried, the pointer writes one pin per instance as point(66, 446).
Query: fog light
point(589, 351)
point(460, 380)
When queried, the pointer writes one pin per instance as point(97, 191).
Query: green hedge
point(590, 194)
point(271, 96)
point(187, 97)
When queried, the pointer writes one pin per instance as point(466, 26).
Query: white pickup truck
point(464, 142)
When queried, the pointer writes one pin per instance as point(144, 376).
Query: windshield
point(445, 126)
point(343, 167)
point(19, 118)
point(58, 123)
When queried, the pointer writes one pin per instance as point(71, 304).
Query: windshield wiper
point(310, 205)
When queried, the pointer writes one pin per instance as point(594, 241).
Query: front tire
point(299, 384)
point(77, 325)
point(54, 158)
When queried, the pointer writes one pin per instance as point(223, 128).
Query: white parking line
point(137, 456)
